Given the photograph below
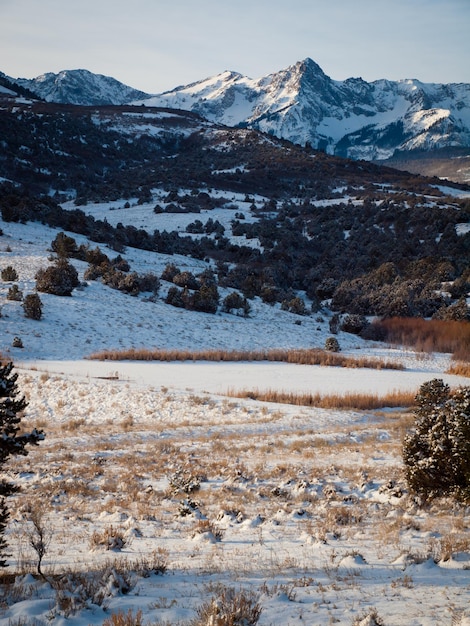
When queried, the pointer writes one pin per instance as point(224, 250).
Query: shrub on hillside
point(149, 282)
point(205, 299)
point(96, 257)
point(326, 288)
point(353, 324)
point(93, 272)
point(295, 305)
point(32, 306)
point(436, 454)
point(9, 274)
point(14, 293)
point(400, 298)
point(186, 279)
point(170, 272)
point(458, 311)
point(332, 345)
point(269, 294)
point(334, 323)
point(122, 281)
point(59, 279)
point(207, 277)
point(64, 246)
point(175, 297)
point(236, 302)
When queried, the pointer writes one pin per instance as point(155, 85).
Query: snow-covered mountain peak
point(80, 87)
point(351, 118)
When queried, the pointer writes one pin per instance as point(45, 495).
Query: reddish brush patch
point(428, 335)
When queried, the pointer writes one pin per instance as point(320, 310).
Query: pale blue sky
point(155, 45)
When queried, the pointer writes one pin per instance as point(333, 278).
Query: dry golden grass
point(298, 356)
point(356, 401)
point(459, 368)
point(428, 335)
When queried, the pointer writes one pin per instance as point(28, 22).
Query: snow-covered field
point(157, 492)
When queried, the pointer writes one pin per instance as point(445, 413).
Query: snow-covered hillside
point(97, 317)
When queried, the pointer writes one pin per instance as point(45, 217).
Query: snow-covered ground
point(304, 508)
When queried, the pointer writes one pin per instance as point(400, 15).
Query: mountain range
point(379, 120)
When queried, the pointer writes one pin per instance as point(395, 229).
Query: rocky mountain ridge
point(80, 87)
point(377, 121)
point(351, 118)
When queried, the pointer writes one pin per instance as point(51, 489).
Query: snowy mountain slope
point(80, 87)
point(350, 118)
point(97, 317)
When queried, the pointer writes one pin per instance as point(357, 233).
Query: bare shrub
point(369, 618)
point(205, 526)
point(229, 608)
point(156, 563)
point(110, 538)
point(445, 547)
point(184, 482)
point(39, 535)
point(75, 590)
point(124, 619)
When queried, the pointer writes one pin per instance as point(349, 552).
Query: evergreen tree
point(437, 454)
point(32, 306)
point(11, 442)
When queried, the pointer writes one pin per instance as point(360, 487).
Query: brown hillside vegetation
point(428, 335)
